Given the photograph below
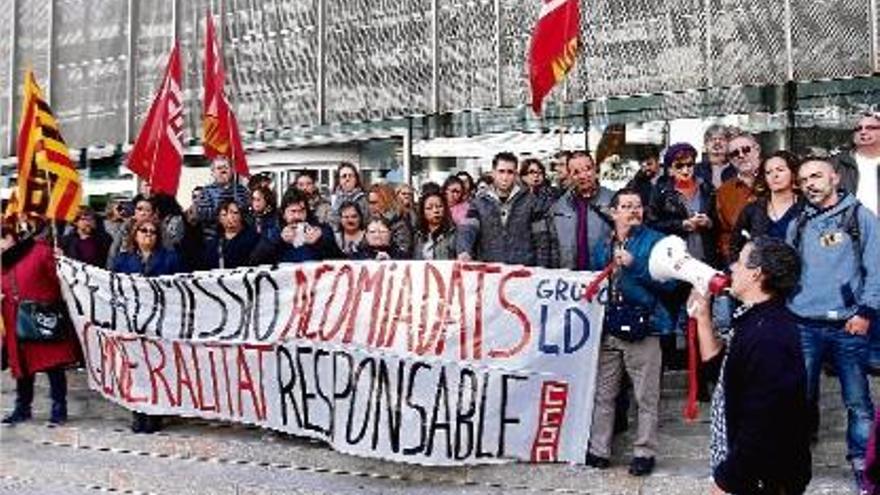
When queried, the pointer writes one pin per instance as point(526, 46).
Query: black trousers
point(24, 388)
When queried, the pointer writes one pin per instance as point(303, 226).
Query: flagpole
point(562, 114)
point(53, 228)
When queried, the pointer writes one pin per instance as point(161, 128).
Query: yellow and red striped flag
point(48, 182)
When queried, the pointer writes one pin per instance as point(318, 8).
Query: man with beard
point(838, 295)
point(745, 154)
point(505, 222)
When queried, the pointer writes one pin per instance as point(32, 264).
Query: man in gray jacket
point(838, 296)
point(579, 220)
point(505, 222)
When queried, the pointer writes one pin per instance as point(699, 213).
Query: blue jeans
point(874, 335)
point(848, 354)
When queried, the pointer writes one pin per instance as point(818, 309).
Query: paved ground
point(95, 452)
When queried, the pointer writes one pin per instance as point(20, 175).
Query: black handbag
point(628, 322)
point(38, 321)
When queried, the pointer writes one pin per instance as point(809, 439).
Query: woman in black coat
point(779, 202)
point(760, 431)
point(237, 243)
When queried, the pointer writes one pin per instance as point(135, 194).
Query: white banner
point(425, 362)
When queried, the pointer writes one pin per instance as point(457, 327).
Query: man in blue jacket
point(634, 319)
point(838, 295)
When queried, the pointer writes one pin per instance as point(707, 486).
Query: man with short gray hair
point(715, 168)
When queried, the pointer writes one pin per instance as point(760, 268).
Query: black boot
point(139, 422)
point(58, 416)
point(24, 397)
point(58, 393)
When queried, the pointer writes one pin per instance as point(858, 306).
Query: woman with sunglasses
point(779, 202)
point(150, 259)
point(533, 175)
point(379, 244)
point(684, 205)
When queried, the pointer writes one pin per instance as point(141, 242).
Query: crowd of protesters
point(824, 208)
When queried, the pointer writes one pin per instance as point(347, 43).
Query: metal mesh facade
point(294, 63)
point(6, 52)
point(90, 69)
point(378, 58)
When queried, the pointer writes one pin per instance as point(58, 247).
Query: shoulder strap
point(850, 223)
point(598, 211)
point(801, 223)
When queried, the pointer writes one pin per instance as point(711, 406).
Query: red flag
point(555, 42)
point(158, 152)
point(221, 136)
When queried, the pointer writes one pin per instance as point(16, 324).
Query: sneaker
point(58, 415)
point(858, 472)
point(641, 466)
point(17, 416)
point(597, 462)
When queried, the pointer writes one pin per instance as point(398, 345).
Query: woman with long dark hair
point(350, 236)
point(435, 230)
point(348, 189)
point(237, 243)
point(779, 202)
point(264, 213)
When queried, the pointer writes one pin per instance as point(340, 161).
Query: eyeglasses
point(860, 128)
point(682, 165)
point(146, 231)
point(745, 150)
